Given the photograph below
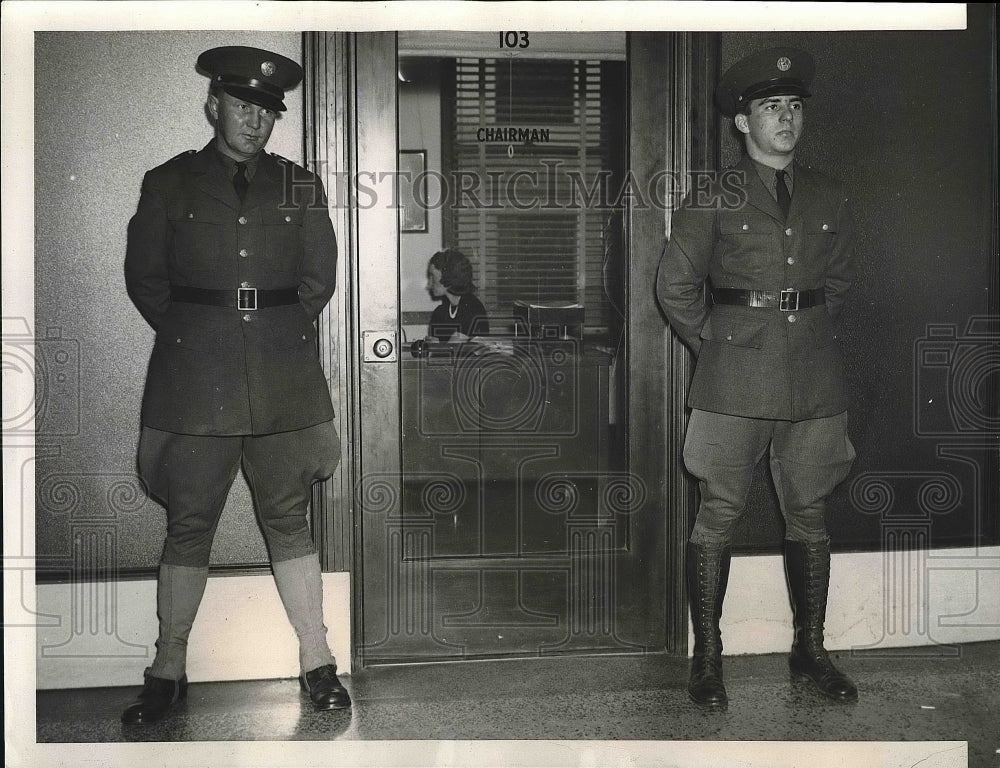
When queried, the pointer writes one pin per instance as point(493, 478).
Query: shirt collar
point(767, 175)
point(230, 164)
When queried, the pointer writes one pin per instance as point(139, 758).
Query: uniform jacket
point(761, 362)
point(216, 370)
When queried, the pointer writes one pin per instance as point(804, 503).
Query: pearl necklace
point(452, 310)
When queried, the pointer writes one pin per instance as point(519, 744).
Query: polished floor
point(906, 696)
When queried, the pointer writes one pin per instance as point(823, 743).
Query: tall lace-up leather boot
point(707, 576)
point(807, 566)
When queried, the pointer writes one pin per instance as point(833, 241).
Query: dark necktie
point(784, 199)
point(240, 181)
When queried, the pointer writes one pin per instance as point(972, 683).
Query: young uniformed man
point(769, 374)
point(231, 256)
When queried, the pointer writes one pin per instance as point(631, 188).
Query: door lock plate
point(379, 346)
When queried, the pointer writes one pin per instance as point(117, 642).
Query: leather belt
point(788, 300)
point(237, 298)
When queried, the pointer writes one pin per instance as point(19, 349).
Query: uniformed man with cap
point(231, 257)
point(769, 374)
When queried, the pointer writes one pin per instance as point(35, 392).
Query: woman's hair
point(456, 271)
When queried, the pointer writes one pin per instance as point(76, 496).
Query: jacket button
point(790, 259)
point(746, 227)
point(242, 219)
point(826, 227)
point(244, 284)
point(788, 232)
point(246, 318)
point(243, 252)
point(791, 318)
point(178, 340)
point(288, 218)
point(190, 215)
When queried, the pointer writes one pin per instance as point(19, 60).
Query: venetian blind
point(534, 140)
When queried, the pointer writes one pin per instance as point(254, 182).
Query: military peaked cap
point(772, 72)
point(251, 74)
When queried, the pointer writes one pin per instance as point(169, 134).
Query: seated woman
point(460, 315)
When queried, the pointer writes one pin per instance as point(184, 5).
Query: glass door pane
point(512, 435)
point(508, 525)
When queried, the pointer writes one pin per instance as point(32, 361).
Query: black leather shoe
point(324, 688)
point(157, 698)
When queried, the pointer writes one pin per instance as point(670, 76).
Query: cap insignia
point(784, 64)
point(267, 68)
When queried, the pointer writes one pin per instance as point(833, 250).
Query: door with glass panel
point(497, 513)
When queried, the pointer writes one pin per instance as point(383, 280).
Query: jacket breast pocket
point(744, 239)
point(818, 241)
point(821, 225)
point(821, 231)
point(197, 242)
point(283, 242)
point(735, 330)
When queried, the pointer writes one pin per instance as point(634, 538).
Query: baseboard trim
point(103, 633)
point(879, 601)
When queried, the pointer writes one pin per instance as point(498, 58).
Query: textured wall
point(905, 118)
point(109, 106)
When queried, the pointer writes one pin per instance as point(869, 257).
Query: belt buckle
point(246, 298)
point(784, 300)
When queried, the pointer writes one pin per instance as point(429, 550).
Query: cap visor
point(779, 88)
point(255, 96)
